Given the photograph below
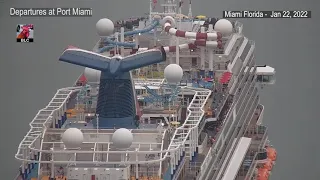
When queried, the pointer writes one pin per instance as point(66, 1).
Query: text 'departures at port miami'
point(267, 14)
point(56, 12)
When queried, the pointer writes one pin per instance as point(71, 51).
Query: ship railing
point(245, 169)
point(230, 44)
point(253, 103)
point(218, 143)
point(177, 145)
point(260, 133)
point(252, 167)
point(225, 94)
point(217, 112)
point(148, 82)
point(264, 137)
point(189, 129)
point(44, 118)
point(235, 56)
point(207, 160)
point(261, 108)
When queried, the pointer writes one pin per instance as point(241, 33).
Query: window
point(265, 78)
point(259, 78)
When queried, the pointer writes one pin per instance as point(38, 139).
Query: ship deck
point(147, 141)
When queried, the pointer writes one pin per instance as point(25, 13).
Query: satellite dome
point(92, 75)
point(173, 73)
point(223, 26)
point(72, 138)
point(122, 138)
point(105, 27)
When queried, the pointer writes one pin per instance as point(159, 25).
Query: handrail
point(252, 166)
point(31, 148)
point(36, 131)
point(206, 160)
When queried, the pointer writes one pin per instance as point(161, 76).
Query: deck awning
point(225, 78)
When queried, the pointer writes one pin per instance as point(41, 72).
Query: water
point(31, 73)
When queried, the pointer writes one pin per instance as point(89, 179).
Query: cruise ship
point(162, 97)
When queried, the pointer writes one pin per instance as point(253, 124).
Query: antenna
point(190, 10)
point(169, 7)
point(150, 10)
point(117, 40)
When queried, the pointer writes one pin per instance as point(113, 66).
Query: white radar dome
point(72, 138)
point(173, 73)
point(223, 26)
point(92, 75)
point(105, 27)
point(122, 138)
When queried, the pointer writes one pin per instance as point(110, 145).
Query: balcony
point(258, 115)
point(247, 168)
point(259, 136)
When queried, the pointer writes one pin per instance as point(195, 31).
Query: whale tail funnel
point(99, 62)
point(116, 101)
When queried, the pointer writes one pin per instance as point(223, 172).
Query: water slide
point(169, 21)
point(112, 43)
point(195, 38)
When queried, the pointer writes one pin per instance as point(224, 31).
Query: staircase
point(182, 135)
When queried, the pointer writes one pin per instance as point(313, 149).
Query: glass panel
point(259, 78)
point(265, 78)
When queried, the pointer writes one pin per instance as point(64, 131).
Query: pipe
point(192, 45)
point(200, 39)
point(112, 43)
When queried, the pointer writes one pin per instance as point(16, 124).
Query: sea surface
point(30, 74)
